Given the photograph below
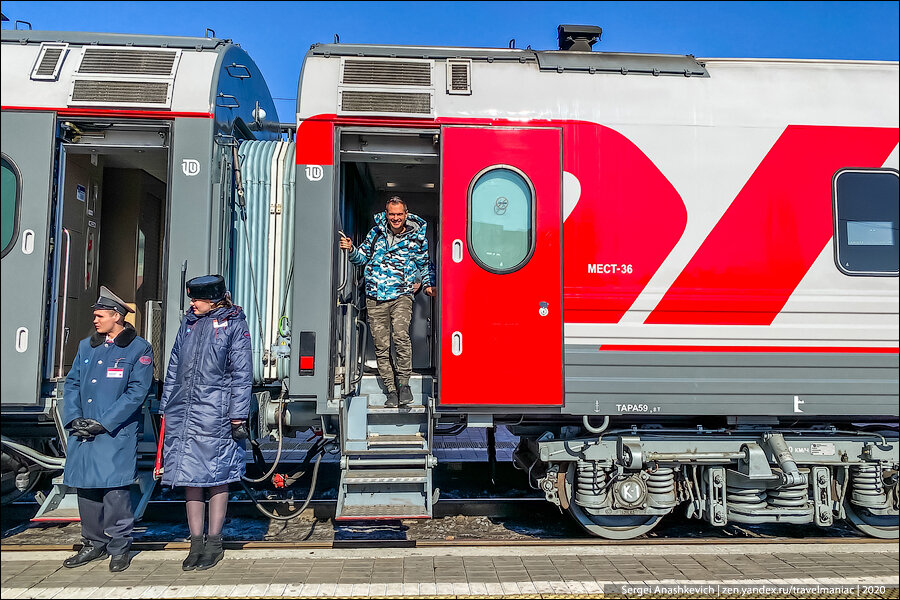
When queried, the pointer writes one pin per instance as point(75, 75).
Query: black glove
point(92, 427)
point(239, 431)
point(79, 429)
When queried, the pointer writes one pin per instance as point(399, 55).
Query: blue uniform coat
point(108, 382)
point(208, 383)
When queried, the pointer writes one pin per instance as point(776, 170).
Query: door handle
point(457, 251)
point(456, 343)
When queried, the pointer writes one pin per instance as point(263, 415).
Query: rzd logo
point(314, 172)
point(190, 167)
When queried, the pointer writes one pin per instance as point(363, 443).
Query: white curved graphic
point(571, 193)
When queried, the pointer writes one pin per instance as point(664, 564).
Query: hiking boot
point(212, 553)
point(392, 400)
point(406, 396)
point(193, 557)
point(87, 553)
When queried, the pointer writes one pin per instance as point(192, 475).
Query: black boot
point(119, 562)
point(87, 553)
point(212, 553)
point(193, 557)
point(406, 396)
point(392, 400)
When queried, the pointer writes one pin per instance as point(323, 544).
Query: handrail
point(65, 302)
point(361, 357)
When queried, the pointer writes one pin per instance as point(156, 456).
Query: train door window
point(501, 219)
point(10, 206)
point(865, 221)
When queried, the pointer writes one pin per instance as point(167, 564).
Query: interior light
point(390, 184)
point(428, 185)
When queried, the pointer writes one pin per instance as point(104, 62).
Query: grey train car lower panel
point(28, 144)
point(729, 383)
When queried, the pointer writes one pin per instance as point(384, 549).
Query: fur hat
point(206, 287)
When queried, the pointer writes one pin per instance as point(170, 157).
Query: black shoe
point(392, 400)
point(119, 562)
point(87, 553)
point(198, 543)
point(406, 396)
point(212, 553)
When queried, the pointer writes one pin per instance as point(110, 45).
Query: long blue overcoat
point(208, 383)
point(108, 382)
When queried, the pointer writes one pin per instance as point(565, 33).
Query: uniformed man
point(104, 392)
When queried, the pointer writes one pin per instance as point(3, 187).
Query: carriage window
point(866, 210)
point(501, 219)
point(10, 206)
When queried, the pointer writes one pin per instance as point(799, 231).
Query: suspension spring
point(591, 484)
point(867, 485)
point(747, 500)
point(661, 487)
point(790, 496)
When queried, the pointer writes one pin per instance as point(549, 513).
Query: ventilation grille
point(386, 73)
point(386, 102)
point(459, 76)
point(128, 61)
point(132, 93)
point(49, 61)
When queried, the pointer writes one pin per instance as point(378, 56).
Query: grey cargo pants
point(387, 317)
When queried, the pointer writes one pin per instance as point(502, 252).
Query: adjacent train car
point(117, 154)
point(674, 278)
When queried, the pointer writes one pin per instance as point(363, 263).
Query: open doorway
point(376, 165)
point(111, 223)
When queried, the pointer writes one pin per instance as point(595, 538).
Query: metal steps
point(386, 464)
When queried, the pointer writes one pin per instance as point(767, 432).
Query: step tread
point(383, 511)
point(59, 514)
point(385, 476)
point(379, 439)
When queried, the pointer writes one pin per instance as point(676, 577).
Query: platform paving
point(859, 570)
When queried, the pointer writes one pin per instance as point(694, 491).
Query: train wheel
point(614, 527)
point(611, 527)
point(885, 527)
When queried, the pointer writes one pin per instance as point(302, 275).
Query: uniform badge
point(218, 325)
point(145, 360)
point(113, 373)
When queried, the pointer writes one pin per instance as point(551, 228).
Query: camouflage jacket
point(392, 271)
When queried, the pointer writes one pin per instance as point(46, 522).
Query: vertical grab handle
point(183, 284)
point(65, 301)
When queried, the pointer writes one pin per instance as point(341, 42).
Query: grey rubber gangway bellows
point(387, 460)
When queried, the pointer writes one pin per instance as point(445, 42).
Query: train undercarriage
point(620, 484)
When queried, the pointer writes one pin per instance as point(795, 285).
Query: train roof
point(27, 36)
point(547, 60)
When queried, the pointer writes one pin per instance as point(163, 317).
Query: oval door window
point(501, 219)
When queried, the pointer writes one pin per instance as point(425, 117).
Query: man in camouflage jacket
point(395, 256)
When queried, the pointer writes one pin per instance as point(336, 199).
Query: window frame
point(532, 225)
point(836, 239)
point(17, 209)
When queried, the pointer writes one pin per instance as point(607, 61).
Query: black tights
point(195, 506)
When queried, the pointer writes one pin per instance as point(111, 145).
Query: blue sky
point(278, 34)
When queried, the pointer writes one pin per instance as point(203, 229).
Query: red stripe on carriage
point(774, 230)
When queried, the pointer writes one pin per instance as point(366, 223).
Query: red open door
point(500, 275)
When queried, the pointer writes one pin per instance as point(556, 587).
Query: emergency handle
point(456, 343)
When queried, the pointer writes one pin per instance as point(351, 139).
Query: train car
point(117, 156)
point(674, 278)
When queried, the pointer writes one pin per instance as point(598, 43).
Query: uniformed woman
point(205, 405)
point(102, 400)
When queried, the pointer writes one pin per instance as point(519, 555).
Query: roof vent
point(49, 61)
point(578, 38)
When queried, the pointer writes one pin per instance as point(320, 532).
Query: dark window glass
point(10, 205)
point(866, 206)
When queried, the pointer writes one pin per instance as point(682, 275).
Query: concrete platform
point(716, 570)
